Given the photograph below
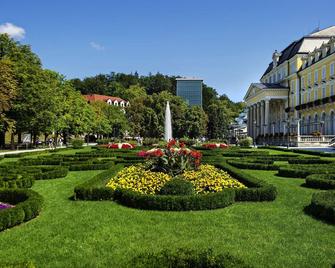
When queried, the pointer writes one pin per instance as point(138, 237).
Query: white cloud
point(12, 30)
point(96, 46)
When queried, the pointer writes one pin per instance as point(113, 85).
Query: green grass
point(105, 234)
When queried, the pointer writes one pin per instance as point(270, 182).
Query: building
point(190, 89)
point(294, 101)
point(238, 129)
point(116, 101)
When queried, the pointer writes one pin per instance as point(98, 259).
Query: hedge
point(27, 206)
point(302, 171)
point(301, 151)
point(309, 161)
point(16, 181)
point(258, 190)
point(92, 166)
point(186, 258)
point(323, 206)
point(321, 181)
point(175, 202)
point(252, 165)
point(95, 189)
point(51, 172)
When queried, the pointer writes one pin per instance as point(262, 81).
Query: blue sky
point(227, 43)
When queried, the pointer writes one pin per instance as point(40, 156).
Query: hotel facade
point(294, 102)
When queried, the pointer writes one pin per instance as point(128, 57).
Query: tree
point(195, 122)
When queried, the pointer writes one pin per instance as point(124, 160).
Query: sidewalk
point(38, 150)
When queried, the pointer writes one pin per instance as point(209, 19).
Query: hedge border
point(321, 181)
point(27, 203)
point(251, 165)
point(322, 206)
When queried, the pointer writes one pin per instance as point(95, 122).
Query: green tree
point(195, 124)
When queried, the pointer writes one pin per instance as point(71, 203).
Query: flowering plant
point(174, 159)
point(119, 146)
point(215, 145)
point(4, 206)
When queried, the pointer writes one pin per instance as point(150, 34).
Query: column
point(249, 120)
point(253, 121)
point(262, 118)
point(266, 116)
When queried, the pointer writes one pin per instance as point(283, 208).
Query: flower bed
point(118, 146)
point(215, 146)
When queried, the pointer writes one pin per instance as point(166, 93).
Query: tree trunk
point(12, 144)
point(2, 139)
point(19, 137)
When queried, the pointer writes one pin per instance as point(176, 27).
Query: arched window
point(309, 129)
point(116, 103)
point(302, 125)
point(323, 124)
point(109, 102)
point(316, 118)
point(332, 123)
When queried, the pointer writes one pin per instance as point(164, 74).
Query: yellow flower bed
point(208, 179)
point(140, 180)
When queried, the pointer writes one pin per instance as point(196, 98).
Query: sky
point(229, 44)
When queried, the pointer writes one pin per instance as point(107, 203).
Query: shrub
point(16, 181)
point(246, 142)
point(91, 166)
point(177, 186)
point(309, 161)
point(302, 171)
point(323, 206)
point(150, 141)
point(186, 258)
point(77, 143)
point(175, 202)
point(321, 181)
point(27, 206)
point(252, 165)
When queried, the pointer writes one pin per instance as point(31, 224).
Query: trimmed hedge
point(175, 202)
point(252, 165)
point(27, 206)
point(95, 189)
point(301, 151)
point(16, 181)
point(309, 161)
point(302, 171)
point(321, 181)
point(186, 258)
point(92, 166)
point(258, 190)
point(177, 186)
point(323, 206)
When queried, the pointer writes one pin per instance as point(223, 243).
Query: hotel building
point(294, 102)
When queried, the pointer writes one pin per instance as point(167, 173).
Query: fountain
point(168, 123)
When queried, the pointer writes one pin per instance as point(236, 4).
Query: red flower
point(223, 145)
point(171, 143)
point(181, 144)
point(142, 154)
point(158, 153)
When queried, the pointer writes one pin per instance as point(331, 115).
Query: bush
point(186, 258)
point(252, 165)
point(258, 190)
point(309, 161)
point(27, 206)
point(95, 188)
point(323, 206)
point(246, 142)
point(91, 166)
point(321, 181)
point(77, 143)
point(175, 202)
point(16, 181)
point(302, 171)
point(150, 141)
point(177, 186)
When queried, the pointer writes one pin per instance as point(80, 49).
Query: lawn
point(104, 234)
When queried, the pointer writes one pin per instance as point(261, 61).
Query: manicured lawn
point(105, 234)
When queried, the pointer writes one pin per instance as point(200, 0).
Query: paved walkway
point(37, 150)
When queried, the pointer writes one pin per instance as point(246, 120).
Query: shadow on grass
point(310, 211)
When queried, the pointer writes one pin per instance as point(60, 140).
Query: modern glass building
point(190, 89)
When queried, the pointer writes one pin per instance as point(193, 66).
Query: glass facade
point(190, 91)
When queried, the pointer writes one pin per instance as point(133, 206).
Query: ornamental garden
point(174, 204)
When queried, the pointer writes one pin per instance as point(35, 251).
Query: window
point(331, 90)
point(323, 91)
point(309, 96)
point(315, 93)
point(316, 76)
point(303, 82)
point(324, 73)
point(309, 79)
point(332, 68)
point(270, 79)
point(292, 67)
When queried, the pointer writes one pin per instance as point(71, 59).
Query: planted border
point(27, 203)
point(323, 206)
point(252, 165)
point(321, 181)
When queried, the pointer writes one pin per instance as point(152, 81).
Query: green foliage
point(27, 206)
point(177, 186)
point(323, 206)
point(302, 171)
point(321, 181)
point(77, 143)
point(186, 258)
point(15, 181)
point(27, 264)
point(245, 164)
point(246, 142)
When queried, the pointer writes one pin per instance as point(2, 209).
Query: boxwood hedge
point(323, 206)
point(27, 206)
point(321, 181)
point(16, 181)
point(302, 171)
point(252, 165)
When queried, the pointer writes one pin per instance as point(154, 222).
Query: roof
point(268, 86)
point(189, 79)
point(97, 97)
point(304, 45)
